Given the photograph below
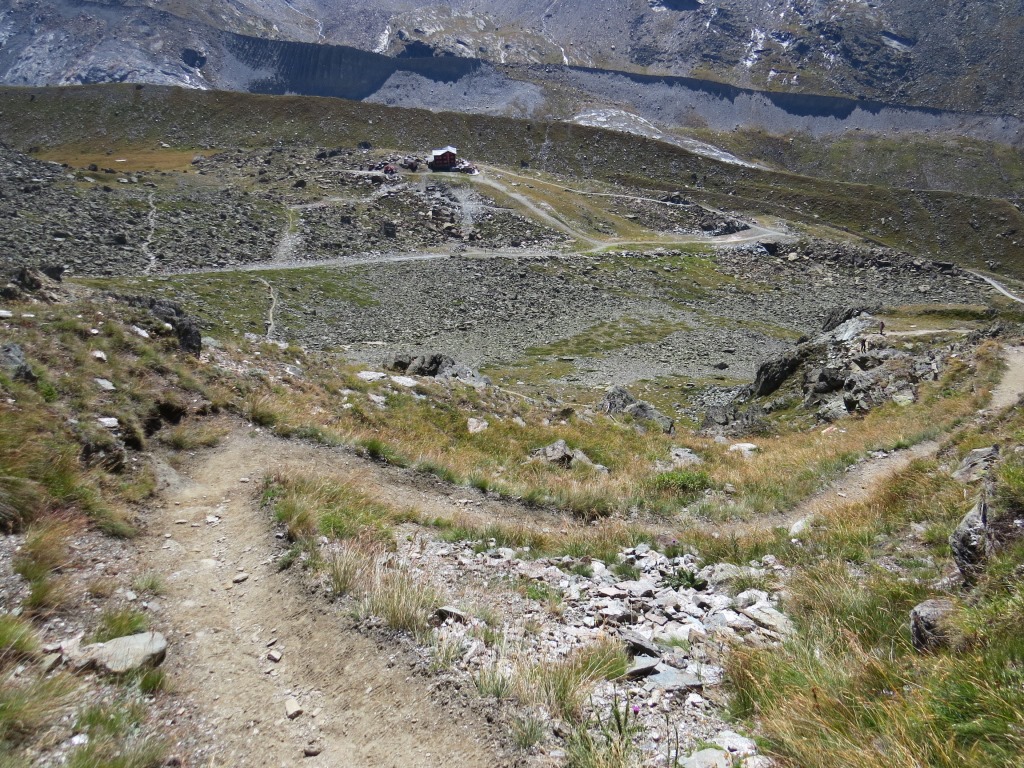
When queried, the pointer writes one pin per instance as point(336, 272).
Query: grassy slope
point(939, 224)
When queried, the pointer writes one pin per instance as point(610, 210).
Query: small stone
point(371, 375)
point(275, 656)
point(312, 750)
point(99, 355)
point(140, 332)
point(745, 449)
point(108, 421)
point(292, 708)
point(446, 612)
point(476, 426)
point(6, 314)
point(240, 578)
point(405, 381)
point(929, 624)
point(105, 384)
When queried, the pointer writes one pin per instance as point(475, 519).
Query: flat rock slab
point(127, 654)
point(707, 758)
point(638, 644)
point(643, 666)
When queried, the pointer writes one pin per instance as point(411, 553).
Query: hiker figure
point(881, 328)
point(863, 343)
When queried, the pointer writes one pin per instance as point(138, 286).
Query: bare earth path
point(862, 481)
point(362, 705)
point(361, 708)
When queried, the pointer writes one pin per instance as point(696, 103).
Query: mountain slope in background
point(942, 54)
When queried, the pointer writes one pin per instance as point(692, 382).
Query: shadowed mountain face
point(941, 54)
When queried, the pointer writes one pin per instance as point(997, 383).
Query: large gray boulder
point(561, 454)
point(642, 411)
point(929, 624)
point(616, 400)
point(773, 373)
point(970, 542)
point(124, 655)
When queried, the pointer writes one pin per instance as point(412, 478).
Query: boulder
point(970, 542)
point(476, 426)
point(684, 457)
point(764, 615)
point(642, 666)
point(14, 364)
point(976, 464)
point(465, 375)
point(642, 411)
point(929, 624)
point(707, 758)
point(561, 454)
point(745, 449)
point(734, 743)
point(616, 400)
point(429, 365)
point(773, 373)
point(639, 645)
point(123, 655)
point(838, 316)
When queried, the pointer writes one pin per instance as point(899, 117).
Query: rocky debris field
point(677, 215)
point(696, 323)
point(509, 612)
point(235, 209)
point(847, 370)
point(591, 319)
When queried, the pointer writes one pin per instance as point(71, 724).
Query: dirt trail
point(861, 482)
point(362, 707)
point(755, 231)
point(1011, 386)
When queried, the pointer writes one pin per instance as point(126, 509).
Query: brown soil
point(362, 704)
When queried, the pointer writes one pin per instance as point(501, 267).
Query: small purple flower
point(636, 709)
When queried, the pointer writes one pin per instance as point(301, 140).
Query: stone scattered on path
point(292, 709)
point(240, 578)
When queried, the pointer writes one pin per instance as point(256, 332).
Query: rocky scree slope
point(933, 223)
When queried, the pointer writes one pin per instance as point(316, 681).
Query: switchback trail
point(362, 705)
point(861, 482)
point(998, 286)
